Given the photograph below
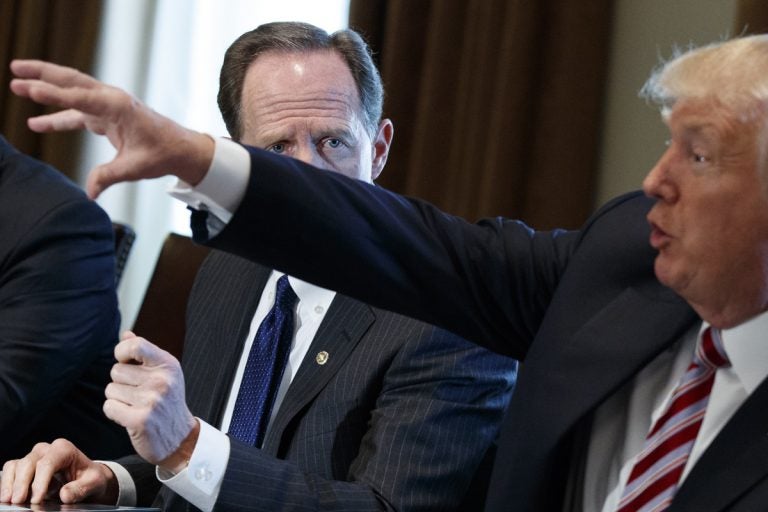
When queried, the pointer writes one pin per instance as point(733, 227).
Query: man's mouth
point(659, 238)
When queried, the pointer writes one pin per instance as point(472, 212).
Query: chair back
point(124, 237)
point(162, 316)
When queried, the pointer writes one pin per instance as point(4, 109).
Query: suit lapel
point(235, 295)
point(610, 348)
point(733, 463)
point(572, 373)
point(345, 323)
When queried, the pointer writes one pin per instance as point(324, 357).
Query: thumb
point(80, 489)
point(105, 175)
point(97, 181)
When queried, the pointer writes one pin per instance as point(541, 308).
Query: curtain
point(496, 103)
point(751, 17)
point(64, 32)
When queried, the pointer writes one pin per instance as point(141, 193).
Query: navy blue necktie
point(264, 368)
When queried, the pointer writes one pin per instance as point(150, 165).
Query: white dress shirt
point(622, 423)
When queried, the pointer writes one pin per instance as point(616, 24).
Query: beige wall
point(644, 32)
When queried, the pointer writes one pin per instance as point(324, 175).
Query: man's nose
point(658, 182)
point(309, 154)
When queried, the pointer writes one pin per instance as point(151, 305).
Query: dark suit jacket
point(398, 418)
point(58, 312)
point(582, 308)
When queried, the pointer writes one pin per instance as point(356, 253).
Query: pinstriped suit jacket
point(397, 419)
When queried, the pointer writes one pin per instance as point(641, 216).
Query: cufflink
point(203, 473)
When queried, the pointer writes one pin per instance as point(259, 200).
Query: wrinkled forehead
point(315, 80)
point(707, 120)
point(695, 114)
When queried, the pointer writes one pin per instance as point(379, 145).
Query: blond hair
point(732, 73)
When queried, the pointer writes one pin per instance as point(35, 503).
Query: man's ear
point(381, 144)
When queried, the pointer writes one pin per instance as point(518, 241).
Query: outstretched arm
point(148, 144)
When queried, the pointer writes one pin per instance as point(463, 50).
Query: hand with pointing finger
point(146, 396)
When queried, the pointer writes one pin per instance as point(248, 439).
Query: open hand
point(148, 144)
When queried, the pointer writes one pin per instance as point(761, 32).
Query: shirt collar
point(310, 296)
point(747, 349)
point(309, 293)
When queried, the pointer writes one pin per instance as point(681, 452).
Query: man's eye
point(332, 143)
point(699, 158)
point(277, 148)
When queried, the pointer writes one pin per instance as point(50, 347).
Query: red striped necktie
point(656, 474)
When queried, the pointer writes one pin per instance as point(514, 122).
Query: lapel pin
point(321, 357)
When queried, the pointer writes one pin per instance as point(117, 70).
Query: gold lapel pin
point(321, 357)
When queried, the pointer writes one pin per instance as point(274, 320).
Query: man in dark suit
point(608, 326)
point(375, 411)
point(58, 311)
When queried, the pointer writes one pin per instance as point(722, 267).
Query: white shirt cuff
point(199, 483)
point(223, 187)
point(126, 495)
